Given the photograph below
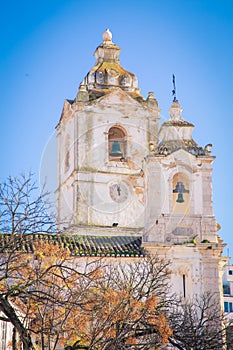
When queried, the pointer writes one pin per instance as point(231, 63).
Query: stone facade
point(120, 174)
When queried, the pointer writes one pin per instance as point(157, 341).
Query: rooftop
point(126, 246)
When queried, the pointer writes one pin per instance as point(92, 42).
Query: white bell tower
point(104, 135)
point(180, 224)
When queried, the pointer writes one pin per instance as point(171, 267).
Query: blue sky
point(47, 46)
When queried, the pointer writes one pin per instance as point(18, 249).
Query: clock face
point(119, 192)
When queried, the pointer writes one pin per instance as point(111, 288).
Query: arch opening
point(181, 194)
point(117, 144)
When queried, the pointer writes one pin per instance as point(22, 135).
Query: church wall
point(207, 191)
point(93, 129)
point(66, 142)
point(167, 218)
point(65, 204)
point(95, 171)
point(195, 269)
point(197, 194)
point(157, 183)
point(66, 165)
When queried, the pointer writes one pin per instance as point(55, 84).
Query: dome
point(108, 74)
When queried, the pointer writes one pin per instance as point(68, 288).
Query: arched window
point(181, 195)
point(116, 144)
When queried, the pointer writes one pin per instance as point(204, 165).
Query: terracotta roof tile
point(79, 245)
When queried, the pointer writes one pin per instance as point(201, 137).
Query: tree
point(42, 292)
point(126, 309)
point(53, 303)
point(229, 335)
point(22, 209)
point(53, 298)
point(197, 324)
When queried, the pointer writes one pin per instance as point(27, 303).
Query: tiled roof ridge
point(79, 245)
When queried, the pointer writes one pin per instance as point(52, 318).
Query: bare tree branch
point(197, 324)
point(23, 209)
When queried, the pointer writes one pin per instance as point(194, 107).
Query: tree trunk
point(14, 339)
point(9, 311)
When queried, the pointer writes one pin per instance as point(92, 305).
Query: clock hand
point(118, 190)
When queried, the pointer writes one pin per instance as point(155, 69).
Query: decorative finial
point(151, 100)
point(174, 88)
point(107, 35)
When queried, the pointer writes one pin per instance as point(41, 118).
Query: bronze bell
point(180, 198)
point(180, 189)
point(116, 151)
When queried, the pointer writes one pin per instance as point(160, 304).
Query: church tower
point(104, 136)
point(180, 223)
point(120, 174)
